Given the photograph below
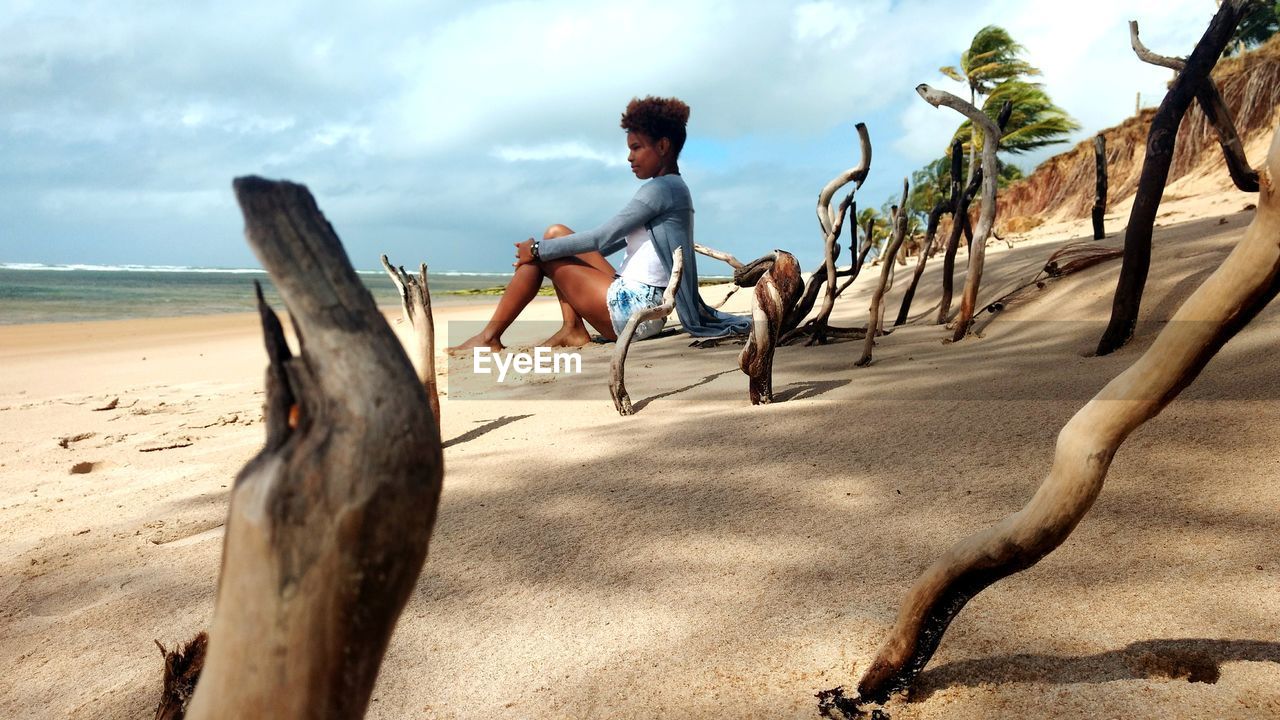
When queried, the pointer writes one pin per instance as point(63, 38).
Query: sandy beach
point(703, 558)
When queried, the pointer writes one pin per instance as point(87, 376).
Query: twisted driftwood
point(1100, 185)
point(987, 214)
point(875, 321)
point(329, 523)
point(1245, 282)
point(415, 303)
point(774, 295)
point(1155, 173)
point(944, 207)
point(617, 369)
point(960, 223)
point(829, 220)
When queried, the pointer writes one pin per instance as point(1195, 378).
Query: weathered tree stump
point(415, 303)
point(1241, 287)
point(329, 524)
point(774, 295)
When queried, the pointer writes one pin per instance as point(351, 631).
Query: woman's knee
point(556, 231)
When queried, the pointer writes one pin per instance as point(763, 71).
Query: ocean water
point(31, 293)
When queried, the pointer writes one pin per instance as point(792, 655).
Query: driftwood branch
point(875, 320)
point(617, 369)
point(829, 298)
point(1100, 186)
point(990, 180)
point(415, 300)
point(329, 524)
point(1245, 282)
point(1215, 111)
point(774, 295)
point(856, 175)
point(1155, 173)
point(720, 255)
point(944, 207)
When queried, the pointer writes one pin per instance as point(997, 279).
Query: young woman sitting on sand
point(658, 220)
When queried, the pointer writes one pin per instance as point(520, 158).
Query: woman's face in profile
point(645, 156)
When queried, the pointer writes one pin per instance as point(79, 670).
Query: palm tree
point(992, 58)
point(994, 70)
point(1035, 123)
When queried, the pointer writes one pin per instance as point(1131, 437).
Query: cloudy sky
point(445, 131)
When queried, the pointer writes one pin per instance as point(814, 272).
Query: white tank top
point(642, 263)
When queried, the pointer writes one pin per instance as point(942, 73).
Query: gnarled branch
point(617, 369)
point(856, 175)
point(990, 181)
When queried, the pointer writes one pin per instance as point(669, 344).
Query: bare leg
point(524, 286)
point(573, 333)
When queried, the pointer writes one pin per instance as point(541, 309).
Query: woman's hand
point(524, 253)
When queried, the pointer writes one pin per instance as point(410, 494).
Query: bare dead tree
point(1215, 111)
point(774, 295)
point(987, 214)
point(875, 319)
point(1232, 296)
point(415, 303)
point(944, 207)
point(1100, 186)
point(617, 368)
point(825, 276)
point(329, 524)
point(1155, 172)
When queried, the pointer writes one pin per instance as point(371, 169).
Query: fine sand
point(703, 558)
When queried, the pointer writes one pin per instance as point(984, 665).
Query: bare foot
point(476, 341)
point(568, 337)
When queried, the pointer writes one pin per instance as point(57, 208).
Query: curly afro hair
point(658, 118)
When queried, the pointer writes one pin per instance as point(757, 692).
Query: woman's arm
point(609, 237)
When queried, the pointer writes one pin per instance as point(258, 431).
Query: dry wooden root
point(1246, 281)
point(775, 294)
point(617, 369)
point(182, 666)
point(875, 322)
point(1155, 173)
point(415, 303)
point(329, 524)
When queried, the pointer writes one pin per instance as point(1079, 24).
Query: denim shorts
point(627, 297)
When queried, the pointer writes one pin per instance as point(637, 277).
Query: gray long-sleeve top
point(664, 206)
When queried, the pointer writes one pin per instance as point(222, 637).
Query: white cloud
point(558, 151)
